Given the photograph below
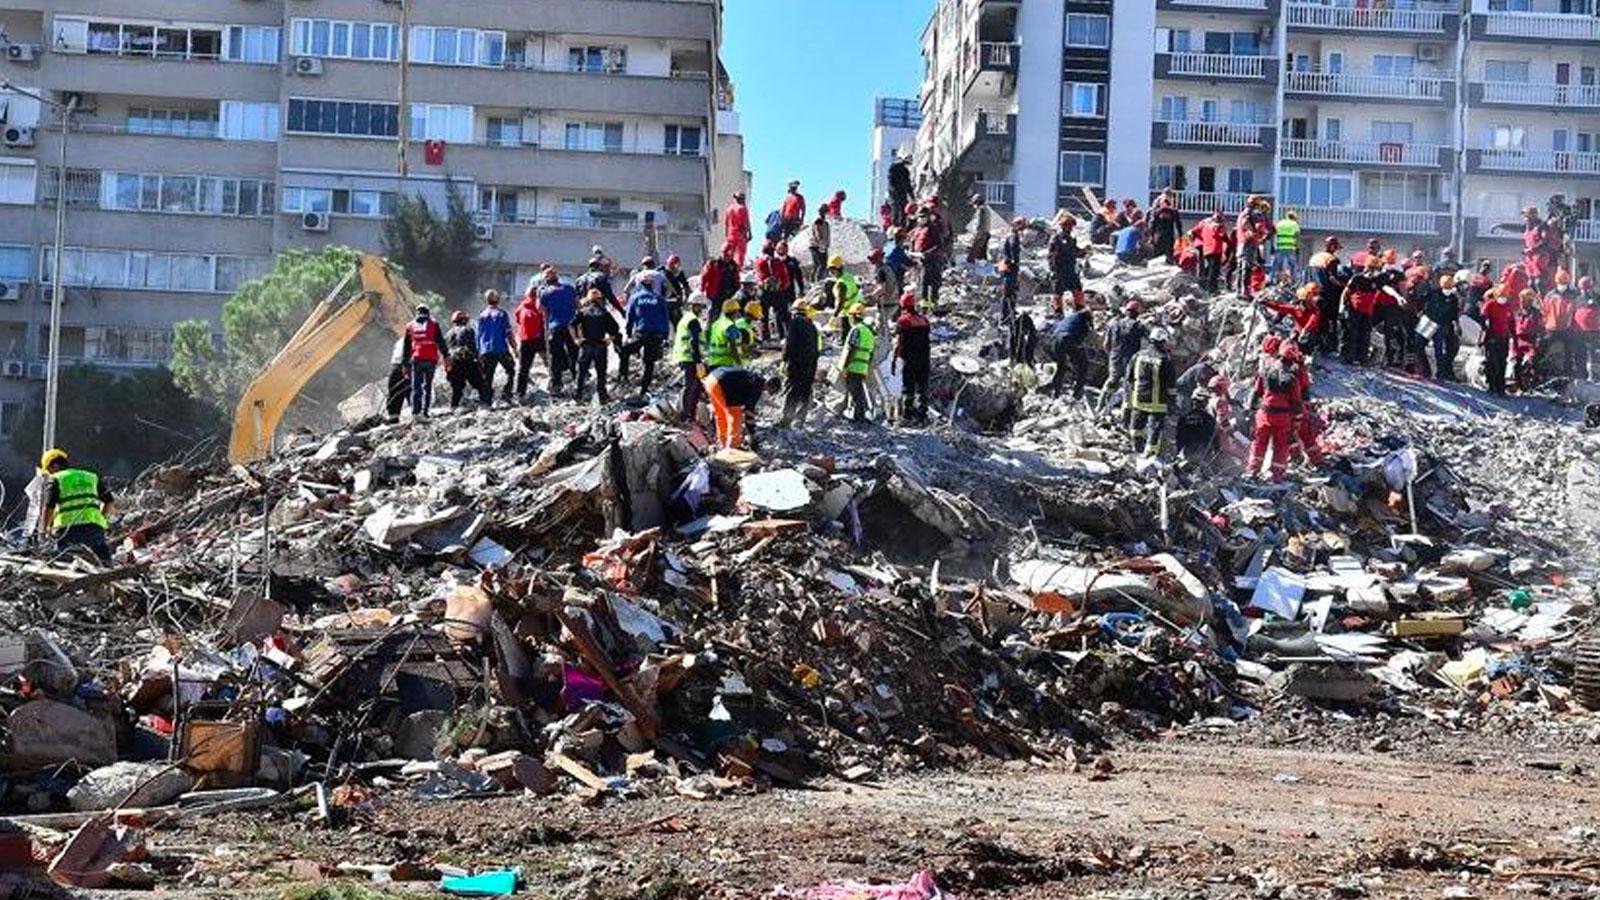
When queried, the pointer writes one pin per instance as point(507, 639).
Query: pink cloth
point(920, 887)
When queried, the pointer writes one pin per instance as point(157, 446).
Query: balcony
point(1395, 88)
point(1216, 67)
point(1216, 6)
point(989, 141)
point(1204, 203)
point(146, 77)
point(1373, 221)
point(1509, 228)
point(1387, 154)
point(1214, 135)
point(992, 68)
point(1516, 161)
point(1517, 93)
point(1320, 17)
point(97, 145)
point(1000, 195)
point(1536, 26)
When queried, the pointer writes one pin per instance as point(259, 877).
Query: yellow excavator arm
point(329, 328)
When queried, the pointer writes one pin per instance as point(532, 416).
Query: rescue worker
point(1124, 336)
point(724, 338)
point(834, 207)
point(1278, 400)
point(1251, 233)
point(689, 355)
point(736, 223)
point(1165, 225)
point(797, 272)
point(1067, 339)
point(1541, 248)
point(719, 277)
point(76, 506)
point(648, 328)
point(1010, 286)
point(399, 386)
point(846, 288)
point(734, 391)
point(1586, 324)
point(777, 288)
point(595, 329)
point(1363, 294)
point(424, 347)
point(1527, 331)
point(677, 286)
point(1303, 312)
point(792, 212)
point(982, 225)
point(899, 187)
point(1011, 247)
point(1499, 324)
point(1211, 236)
point(930, 244)
point(1286, 245)
point(1063, 253)
point(560, 305)
point(749, 316)
point(598, 278)
point(463, 366)
point(1328, 274)
point(802, 347)
point(1558, 308)
point(1195, 432)
point(529, 325)
point(1443, 309)
point(884, 291)
point(1151, 383)
point(821, 238)
point(859, 344)
point(913, 345)
point(494, 345)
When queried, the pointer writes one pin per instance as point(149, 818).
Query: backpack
point(1281, 379)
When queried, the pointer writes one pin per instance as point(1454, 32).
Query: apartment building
point(209, 136)
point(894, 130)
point(1427, 124)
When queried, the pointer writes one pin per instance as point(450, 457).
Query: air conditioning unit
point(314, 221)
point(23, 53)
point(16, 368)
point(11, 291)
point(1429, 52)
point(38, 371)
point(483, 231)
point(17, 136)
point(307, 65)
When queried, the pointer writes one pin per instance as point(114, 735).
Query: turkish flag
point(433, 152)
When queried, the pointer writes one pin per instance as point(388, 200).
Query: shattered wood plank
point(596, 658)
point(580, 772)
point(744, 556)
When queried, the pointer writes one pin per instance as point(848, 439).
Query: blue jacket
point(560, 304)
point(1127, 240)
point(494, 331)
point(647, 314)
point(1073, 328)
point(897, 259)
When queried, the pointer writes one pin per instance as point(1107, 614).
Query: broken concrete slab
point(45, 732)
point(132, 784)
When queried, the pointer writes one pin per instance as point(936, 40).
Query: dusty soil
point(1457, 815)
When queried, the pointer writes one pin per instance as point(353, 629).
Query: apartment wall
point(1040, 26)
point(1128, 154)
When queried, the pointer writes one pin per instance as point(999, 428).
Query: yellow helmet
point(730, 307)
point(51, 457)
point(856, 310)
point(753, 309)
point(836, 261)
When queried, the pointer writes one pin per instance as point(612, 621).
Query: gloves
point(700, 371)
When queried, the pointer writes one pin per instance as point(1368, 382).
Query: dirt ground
point(1440, 815)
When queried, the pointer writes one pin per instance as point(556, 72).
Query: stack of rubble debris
point(560, 599)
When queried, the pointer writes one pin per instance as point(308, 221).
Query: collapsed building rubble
point(558, 599)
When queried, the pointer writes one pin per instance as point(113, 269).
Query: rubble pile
point(596, 602)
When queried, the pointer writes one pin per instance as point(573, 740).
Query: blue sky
point(806, 73)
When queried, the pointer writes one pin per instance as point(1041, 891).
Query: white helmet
point(1160, 336)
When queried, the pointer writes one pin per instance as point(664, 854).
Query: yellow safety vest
point(78, 500)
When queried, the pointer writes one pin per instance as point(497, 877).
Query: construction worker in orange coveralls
point(734, 390)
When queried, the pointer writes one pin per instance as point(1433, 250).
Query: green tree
point(440, 255)
point(120, 424)
point(256, 323)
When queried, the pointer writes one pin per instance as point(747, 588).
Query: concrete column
point(1130, 106)
point(1041, 30)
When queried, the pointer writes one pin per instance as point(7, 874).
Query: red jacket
point(1558, 309)
point(1213, 237)
point(793, 208)
point(1499, 316)
point(774, 269)
point(1305, 317)
point(529, 319)
point(425, 340)
point(834, 207)
point(1528, 327)
point(1287, 402)
point(1587, 318)
point(737, 222)
point(1365, 301)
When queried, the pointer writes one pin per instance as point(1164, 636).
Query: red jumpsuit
point(1276, 419)
point(1308, 426)
point(737, 222)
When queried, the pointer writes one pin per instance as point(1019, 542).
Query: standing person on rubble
point(792, 212)
point(529, 327)
point(1362, 296)
point(1278, 402)
point(846, 291)
point(898, 258)
point(734, 391)
point(719, 277)
point(1286, 245)
point(834, 207)
point(598, 278)
point(1527, 330)
point(463, 363)
point(802, 348)
point(1251, 233)
point(494, 345)
point(884, 289)
point(1068, 337)
point(931, 242)
point(648, 328)
point(859, 344)
point(1166, 224)
point(1586, 324)
point(1211, 236)
point(1499, 325)
point(1011, 247)
point(595, 330)
point(76, 506)
point(1063, 253)
point(1559, 307)
point(1010, 285)
point(1125, 335)
point(689, 355)
point(1443, 309)
point(1541, 248)
point(913, 347)
point(424, 347)
point(900, 188)
point(725, 337)
point(777, 283)
point(1151, 383)
point(821, 239)
point(736, 224)
point(1328, 274)
point(677, 286)
point(560, 305)
point(399, 385)
point(982, 225)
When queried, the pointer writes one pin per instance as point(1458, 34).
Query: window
point(1394, 65)
point(253, 43)
point(370, 41)
point(683, 140)
point(441, 122)
point(1164, 176)
point(597, 59)
point(1506, 137)
point(1515, 70)
point(1082, 101)
point(595, 212)
point(174, 122)
point(1174, 109)
point(1088, 31)
point(138, 270)
point(1241, 181)
point(1333, 129)
point(1082, 168)
point(1233, 43)
point(16, 262)
point(347, 118)
point(193, 194)
point(1246, 112)
point(10, 417)
point(17, 183)
point(1403, 191)
point(503, 131)
point(246, 121)
point(1325, 189)
point(442, 46)
point(369, 204)
point(176, 42)
point(1391, 132)
point(606, 136)
point(127, 345)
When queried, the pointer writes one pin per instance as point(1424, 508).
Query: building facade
point(894, 131)
point(208, 136)
point(1427, 124)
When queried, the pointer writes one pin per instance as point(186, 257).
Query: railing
point(1217, 65)
point(1222, 134)
point(1504, 159)
point(1380, 221)
point(192, 132)
point(586, 222)
point(1586, 231)
point(1344, 84)
point(1222, 4)
point(998, 193)
point(522, 64)
point(1381, 154)
point(1541, 94)
point(993, 55)
point(1209, 201)
point(1316, 15)
point(1543, 26)
point(630, 148)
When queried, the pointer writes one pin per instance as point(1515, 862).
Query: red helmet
point(1290, 352)
point(908, 301)
point(1132, 307)
point(875, 254)
point(1270, 345)
point(911, 209)
point(673, 260)
point(458, 317)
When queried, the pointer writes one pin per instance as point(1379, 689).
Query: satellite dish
point(966, 365)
